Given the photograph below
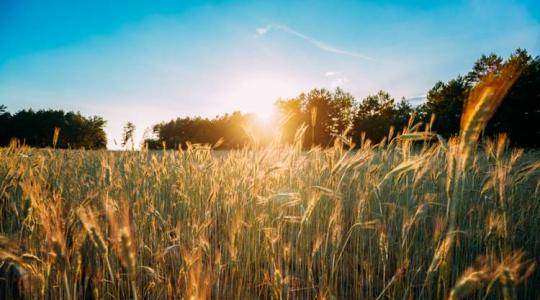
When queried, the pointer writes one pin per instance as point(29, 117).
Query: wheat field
point(369, 223)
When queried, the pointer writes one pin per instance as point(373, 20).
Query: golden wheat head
point(484, 99)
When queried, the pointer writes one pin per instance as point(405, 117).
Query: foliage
point(127, 135)
point(445, 101)
point(518, 114)
point(181, 132)
point(36, 129)
point(376, 114)
point(327, 114)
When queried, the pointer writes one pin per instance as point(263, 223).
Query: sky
point(152, 61)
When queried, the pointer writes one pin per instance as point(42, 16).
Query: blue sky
point(148, 61)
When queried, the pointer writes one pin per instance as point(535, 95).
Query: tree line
point(37, 129)
point(229, 130)
point(329, 114)
point(324, 115)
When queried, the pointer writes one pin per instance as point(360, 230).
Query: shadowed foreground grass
point(272, 223)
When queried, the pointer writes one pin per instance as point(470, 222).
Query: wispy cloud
point(261, 31)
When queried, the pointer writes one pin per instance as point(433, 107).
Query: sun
point(263, 124)
point(265, 116)
point(255, 93)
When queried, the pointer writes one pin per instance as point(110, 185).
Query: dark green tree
point(377, 113)
point(318, 105)
point(4, 123)
point(519, 113)
point(36, 129)
point(482, 67)
point(445, 101)
point(343, 110)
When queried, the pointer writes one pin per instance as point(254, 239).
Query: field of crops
point(395, 220)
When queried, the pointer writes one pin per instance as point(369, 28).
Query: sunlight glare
point(265, 116)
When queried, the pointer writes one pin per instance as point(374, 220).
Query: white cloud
point(262, 31)
point(319, 44)
point(330, 73)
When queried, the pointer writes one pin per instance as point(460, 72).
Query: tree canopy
point(326, 115)
point(231, 129)
point(36, 129)
point(519, 114)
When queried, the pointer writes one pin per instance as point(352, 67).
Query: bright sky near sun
point(152, 61)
